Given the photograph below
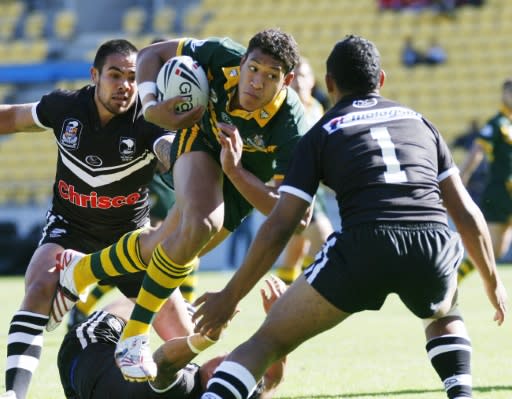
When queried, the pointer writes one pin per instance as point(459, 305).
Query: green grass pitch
point(372, 355)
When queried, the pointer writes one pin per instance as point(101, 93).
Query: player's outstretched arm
point(472, 227)
point(217, 307)
point(17, 118)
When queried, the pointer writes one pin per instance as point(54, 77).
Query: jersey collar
point(262, 115)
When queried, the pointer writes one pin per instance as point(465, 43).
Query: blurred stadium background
point(45, 44)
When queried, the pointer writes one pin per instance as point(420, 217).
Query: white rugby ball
point(183, 76)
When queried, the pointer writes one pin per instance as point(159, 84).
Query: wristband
point(148, 105)
point(201, 343)
point(191, 346)
point(146, 88)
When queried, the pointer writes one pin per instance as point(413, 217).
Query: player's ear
point(95, 75)
point(330, 84)
point(288, 78)
point(382, 78)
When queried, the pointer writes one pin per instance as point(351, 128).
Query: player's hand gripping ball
point(183, 76)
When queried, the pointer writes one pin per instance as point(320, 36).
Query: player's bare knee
point(39, 293)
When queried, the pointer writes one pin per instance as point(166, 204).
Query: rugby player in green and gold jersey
point(494, 142)
point(224, 159)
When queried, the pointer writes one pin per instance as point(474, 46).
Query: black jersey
point(102, 173)
point(88, 371)
point(383, 160)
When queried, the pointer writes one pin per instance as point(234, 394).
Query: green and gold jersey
point(496, 140)
point(269, 134)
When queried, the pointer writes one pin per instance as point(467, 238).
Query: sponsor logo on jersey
point(369, 102)
point(93, 160)
point(93, 200)
point(70, 134)
point(115, 325)
point(127, 148)
point(379, 115)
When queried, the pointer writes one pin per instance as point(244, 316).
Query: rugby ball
point(183, 76)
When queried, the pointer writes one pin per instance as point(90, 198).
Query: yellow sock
point(162, 277)
point(120, 258)
point(465, 268)
point(308, 260)
point(189, 285)
point(288, 275)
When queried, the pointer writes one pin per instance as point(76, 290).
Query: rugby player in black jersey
point(106, 159)
point(88, 370)
point(395, 181)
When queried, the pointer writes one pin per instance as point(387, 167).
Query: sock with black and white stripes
point(231, 380)
point(451, 357)
point(24, 345)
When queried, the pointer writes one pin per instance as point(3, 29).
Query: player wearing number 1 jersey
point(392, 173)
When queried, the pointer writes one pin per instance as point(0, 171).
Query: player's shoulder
point(213, 44)
point(66, 94)
point(64, 99)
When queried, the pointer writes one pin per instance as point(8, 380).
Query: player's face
point(261, 79)
point(116, 89)
point(304, 80)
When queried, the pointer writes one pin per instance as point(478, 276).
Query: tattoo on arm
point(163, 150)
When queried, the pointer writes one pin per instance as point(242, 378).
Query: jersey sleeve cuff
point(447, 173)
point(296, 192)
point(36, 118)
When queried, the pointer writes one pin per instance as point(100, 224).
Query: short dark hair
point(116, 46)
point(354, 64)
point(507, 84)
point(278, 44)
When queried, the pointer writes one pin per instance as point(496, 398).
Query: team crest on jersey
point(264, 114)
point(127, 148)
point(70, 134)
point(256, 142)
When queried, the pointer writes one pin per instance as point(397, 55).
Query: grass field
point(373, 355)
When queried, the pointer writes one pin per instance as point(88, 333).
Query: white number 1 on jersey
point(393, 173)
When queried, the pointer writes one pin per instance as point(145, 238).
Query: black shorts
point(358, 268)
point(61, 232)
point(93, 374)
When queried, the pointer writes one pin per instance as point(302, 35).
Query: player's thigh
point(197, 182)
point(41, 278)
point(301, 313)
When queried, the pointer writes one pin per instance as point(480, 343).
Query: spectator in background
point(435, 54)
point(410, 55)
